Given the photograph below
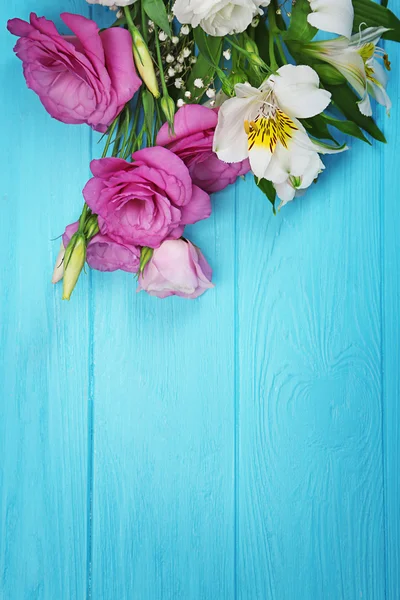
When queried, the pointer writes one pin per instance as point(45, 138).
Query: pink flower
point(193, 140)
point(84, 79)
point(177, 268)
point(104, 254)
point(146, 201)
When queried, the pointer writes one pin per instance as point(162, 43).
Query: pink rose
point(193, 141)
point(177, 268)
point(84, 79)
point(146, 201)
point(104, 254)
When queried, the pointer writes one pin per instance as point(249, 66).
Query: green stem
point(160, 63)
point(144, 23)
point(129, 20)
point(272, 34)
point(281, 51)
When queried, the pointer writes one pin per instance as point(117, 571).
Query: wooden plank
point(389, 211)
point(44, 363)
point(310, 448)
point(163, 503)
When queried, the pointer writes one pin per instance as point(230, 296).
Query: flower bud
point(168, 108)
point(250, 46)
point(144, 63)
point(58, 272)
point(91, 227)
point(74, 261)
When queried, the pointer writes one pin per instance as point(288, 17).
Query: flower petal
point(230, 139)
point(297, 91)
point(335, 16)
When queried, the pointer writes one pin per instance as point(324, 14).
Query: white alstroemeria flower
point(298, 177)
point(113, 4)
point(262, 124)
point(357, 60)
point(218, 17)
point(335, 16)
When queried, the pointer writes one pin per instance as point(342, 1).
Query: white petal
point(230, 139)
point(260, 158)
point(364, 106)
point(297, 91)
point(365, 36)
point(335, 16)
point(311, 172)
point(285, 192)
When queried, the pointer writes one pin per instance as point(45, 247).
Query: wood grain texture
point(310, 469)
point(390, 228)
point(44, 342)
point(244, 446)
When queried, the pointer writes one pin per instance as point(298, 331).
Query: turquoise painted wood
point(241, 447)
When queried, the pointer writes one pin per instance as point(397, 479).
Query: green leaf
point(156, 11)
point(347, 127)
point(209, 47)
point(346, 100)
point(148, 109)
point(317, 128)
point(376, 15)
point(299, 28)
point(268, 189)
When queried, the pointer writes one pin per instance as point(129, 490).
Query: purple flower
point(85, 78)
point(193, 141)
point(104, 254)
point(146, 201)
point(177, 268)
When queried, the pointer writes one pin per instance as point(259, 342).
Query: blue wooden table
point(242, 446)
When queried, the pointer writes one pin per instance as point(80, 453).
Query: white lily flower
point(335, 16)
point(262, 124)
point(358, 61)
point(298, 179)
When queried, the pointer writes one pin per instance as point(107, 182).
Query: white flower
point(335, 16)
point(357, 60)
point(210, 93)
point(198, 83)
point(112, 3)
point(185, 30)
point(162, 36)
point(227, 54)
point(218, 17)
point(169, 59)
point(188, 94)
point(298, 177)
point(186, 52)
point(175, 40)
point(179, 83)
point(262, 124)
point(180, 103)
point(171, 71)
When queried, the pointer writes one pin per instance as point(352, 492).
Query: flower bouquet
point(191, 94)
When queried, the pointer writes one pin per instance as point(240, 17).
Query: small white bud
point(198, 83)
point(186, 52)
point(210, 93)
point(150, 23)
point(175, 40)
point(255, 21)
point(58, 272)
point(162, 36)
point(185, 29)
point(178, 68)
point(227, 54)
point(171, 71)
point(169, 59)
point(180, 103)
point(180, 59)
point(179, 83)
point(212, 103)
point(193, 60)
point(188, 94)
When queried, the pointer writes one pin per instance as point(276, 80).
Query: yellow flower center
point(266, 131)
